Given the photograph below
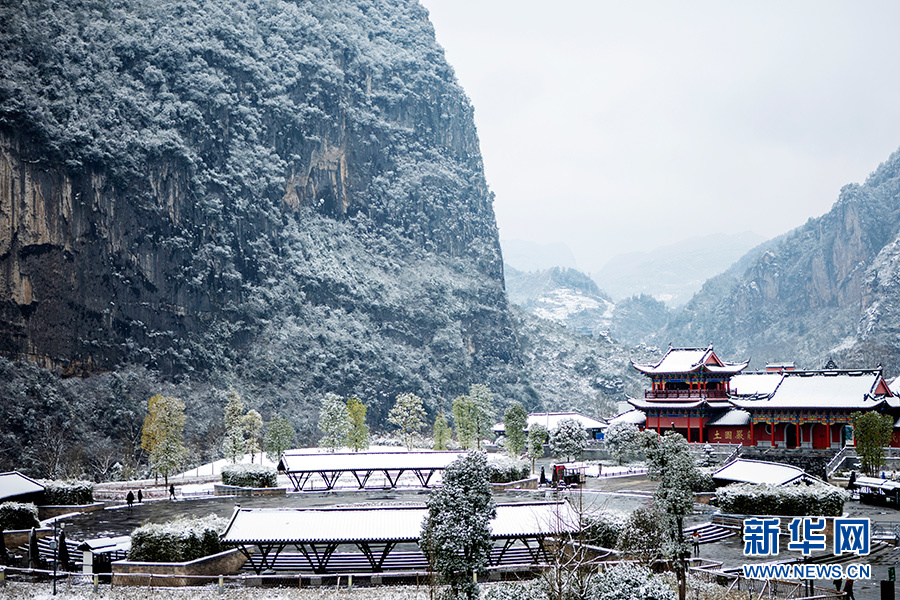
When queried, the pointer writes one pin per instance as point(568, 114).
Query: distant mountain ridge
point(828, 289)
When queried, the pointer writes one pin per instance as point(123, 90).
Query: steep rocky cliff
point(825, 290)
point(286, 198)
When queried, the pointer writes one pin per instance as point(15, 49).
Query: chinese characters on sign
point(807, 534)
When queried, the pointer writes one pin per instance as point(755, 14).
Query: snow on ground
point(44, 591)
point(559, 304)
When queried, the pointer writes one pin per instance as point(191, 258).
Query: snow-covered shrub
point(645, 535)
point(518, 590)
point(69, 492)
point(602, 528)
point(250, 476)
point(622, 440)
point(789, 500)
point(629, 582)
point(703, 481)
point(503, 469)
point(180, 540)
point(18, 515)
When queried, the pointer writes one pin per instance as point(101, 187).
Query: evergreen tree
point(164, 428)
point(568, 440)
point(456, 534)
point(358, 438)
point(462, 417)
point(515, 419)
point(334, 422)
point(622, 441)
point(482, 412)
point(408, 415)
point(537, 435)
point(234, 445)
point(872, 432)
point(252, 423)
point(279, 437)
point(442, 432)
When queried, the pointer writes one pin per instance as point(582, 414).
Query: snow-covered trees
point(162, 434)
point(456, 534)
point(568, 439)
point(441, 432)
point(358, 437)
point(515, 419)
point(473, 415)
point(279, 437)
point(872, 432)
point(408, 415)
point(537, 435)
point(252, 423)
point(622, 441)
point(334, 422)
point(234, 445)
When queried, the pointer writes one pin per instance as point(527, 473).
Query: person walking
point(848, 589)
point(172, 492)
point(695, 537)
point(129, 498)
point(140, 496)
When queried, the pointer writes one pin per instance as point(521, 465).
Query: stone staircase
point(709, 532)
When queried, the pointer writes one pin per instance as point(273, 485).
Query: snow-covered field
point(44, 591)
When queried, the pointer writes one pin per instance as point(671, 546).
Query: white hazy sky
point(613, 126)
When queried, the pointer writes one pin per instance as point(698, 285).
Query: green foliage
point(334, 422)
point(164, 427)
point(505, 469)
point(463, 419)
point(620, 582)
point(537, 435)
point(568, 439)
point(358, 437)
point(279, 437)
point(646, 535)
point(18, 515)
point(872, 432)
point(623, 441)
point(408, 415)
point(180, 540)
point(456, 534)
point(515, 419)
point(788, 500)
point(249, 476)
point(601, 529)
point(69, 492)
point(473, 415)
point(441, 432)
point(252, 424)
point(235, 445)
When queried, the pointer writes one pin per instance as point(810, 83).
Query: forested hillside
point(827, 290)
point(284, 198)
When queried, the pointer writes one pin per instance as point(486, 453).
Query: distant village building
point(706, 399)
point(594, 427)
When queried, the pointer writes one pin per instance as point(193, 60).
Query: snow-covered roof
point(14, 484)
point(731, 418)
point(633, 416)
point(754, 384)
point(758, 471)
point(107, 544)
point(386, 523)
point(690, 360)
point(856, 390)
point(552, 420)
point(886, 485)
point(299, 462)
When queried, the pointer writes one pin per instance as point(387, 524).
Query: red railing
point(694, 394)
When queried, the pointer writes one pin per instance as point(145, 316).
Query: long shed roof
point(300, 462)
point(383, 524)
point(758, 471)
point(13, 484)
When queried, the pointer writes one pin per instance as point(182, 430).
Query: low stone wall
point(523, 484)
point(50, 511)
point(196, 572)
point(19, 537)
point(233, 490)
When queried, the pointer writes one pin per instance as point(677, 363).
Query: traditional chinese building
point(707, 400)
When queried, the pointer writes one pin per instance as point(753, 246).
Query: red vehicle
point(567, 474)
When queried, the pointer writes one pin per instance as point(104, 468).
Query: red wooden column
point(773, 433)
point(689, 427)
point(799, 439)
point(751, 432)
point(700, 423)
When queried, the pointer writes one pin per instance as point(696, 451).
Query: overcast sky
point(613, 126)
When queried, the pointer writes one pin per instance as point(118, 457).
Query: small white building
point(594, 427)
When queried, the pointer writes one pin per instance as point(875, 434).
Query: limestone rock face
point(825, 290)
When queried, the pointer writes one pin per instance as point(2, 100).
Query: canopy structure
point(373, 534)
point(300, 467)
point(15, 486)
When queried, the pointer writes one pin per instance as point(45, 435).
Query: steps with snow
point(709, 532)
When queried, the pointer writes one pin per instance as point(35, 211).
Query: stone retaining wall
point(233, 490)
point(195, 572)
point(50, 511)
